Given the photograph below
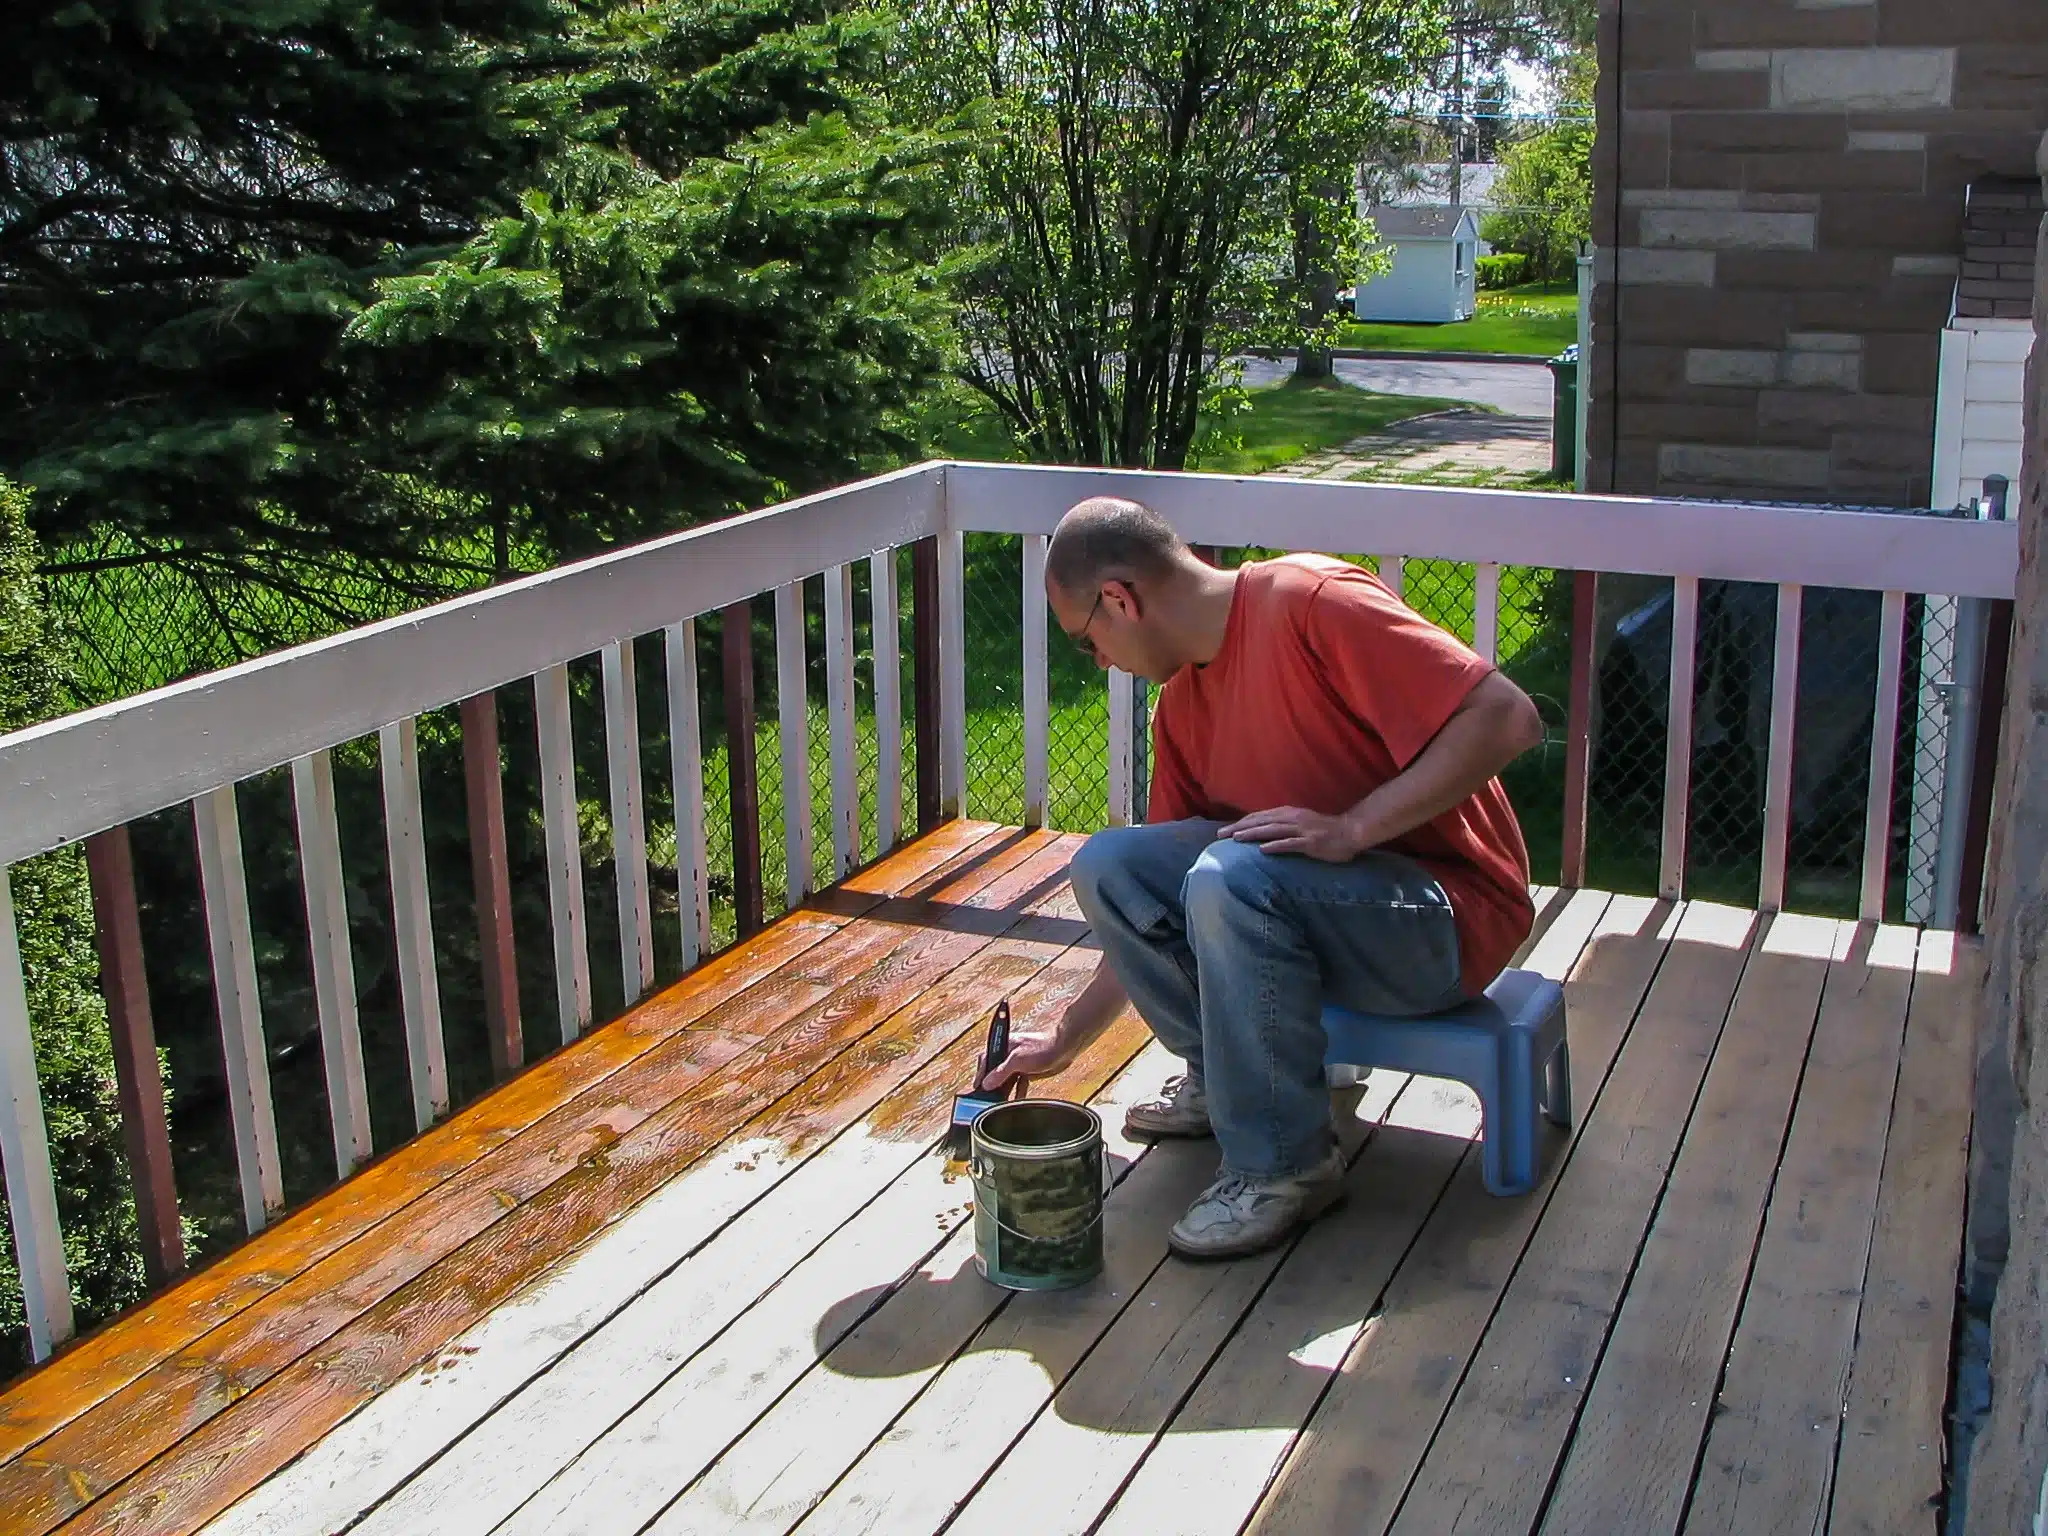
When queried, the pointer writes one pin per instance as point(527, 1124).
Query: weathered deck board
point(1369, 1432)
point(1888, 1475)
point(1487, 1467)
point(1639, 1435)
point(1770, 1455)
point(730, 1290)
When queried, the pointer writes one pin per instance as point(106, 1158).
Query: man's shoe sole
point(1320, 1206)
point(1186, 1132)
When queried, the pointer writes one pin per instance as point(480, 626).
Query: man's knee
point(1097, 864)
point(1227, 874)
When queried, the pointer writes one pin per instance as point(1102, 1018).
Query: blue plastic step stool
point(1508, 1047)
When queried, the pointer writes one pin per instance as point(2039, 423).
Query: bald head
point(1107, 538)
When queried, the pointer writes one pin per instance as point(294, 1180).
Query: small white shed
point(1435, 276)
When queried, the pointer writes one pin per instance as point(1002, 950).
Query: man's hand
point(1038, 1052)
point(1289, 829)
point(1042, 1050)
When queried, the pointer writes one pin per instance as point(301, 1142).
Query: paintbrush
point(969, 1106)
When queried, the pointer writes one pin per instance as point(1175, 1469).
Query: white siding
point(1421, 287)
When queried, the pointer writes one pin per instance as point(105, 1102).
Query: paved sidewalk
point(1517, 389)
point(1453, 447)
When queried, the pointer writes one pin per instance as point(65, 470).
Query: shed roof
point(1439, 222)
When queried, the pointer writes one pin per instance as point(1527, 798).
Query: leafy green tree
point(1161, 186)
point(73, 1053)
point(1545, 188)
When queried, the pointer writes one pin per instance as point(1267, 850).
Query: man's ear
point(1122, 596)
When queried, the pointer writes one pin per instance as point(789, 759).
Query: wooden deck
point(703, 1272)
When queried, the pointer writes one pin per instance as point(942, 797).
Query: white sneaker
point(1183, 1110)
point(1237, 1215)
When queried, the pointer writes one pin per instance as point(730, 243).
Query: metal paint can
point(1039, 1180)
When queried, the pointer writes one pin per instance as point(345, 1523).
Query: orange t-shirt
point(1327, 686)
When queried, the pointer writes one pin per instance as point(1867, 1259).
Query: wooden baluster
point(924, 662)
point(1884, 742)
point(412, 912)
point(563, 837)
point(952, 676)
point(686, 770)
point(629, 820)
point(886, 650)
point(1578, 749)
point(840, 718)
point(25, 1155)
point(233, 949)
point(1486, 610)
point(1685, 624)
point(1394, 572)
point(490, 871)
point(1778, 767)
point(1037, 709)
point(138, 1074)
point(334, 973)
point(793, 716)
point(743, 774)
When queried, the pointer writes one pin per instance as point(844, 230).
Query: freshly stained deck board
point(1349, 1468)
point(895, 1080)
point(351, 1331)
point(1639, 1435)
point(1888, 1475)
point(109, 1359)
point(1770, 1454)
point(659, 1347)
point(770, 1236)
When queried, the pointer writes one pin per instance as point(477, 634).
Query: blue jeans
point(1229, 953)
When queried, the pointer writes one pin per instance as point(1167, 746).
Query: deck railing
point(84, 778)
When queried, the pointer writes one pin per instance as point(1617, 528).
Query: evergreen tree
point(194, 199)
point(723, 287)
point(68, 1019)
point(300, 289)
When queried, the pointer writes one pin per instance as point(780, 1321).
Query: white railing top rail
point(65, 780)
point(1716, 541)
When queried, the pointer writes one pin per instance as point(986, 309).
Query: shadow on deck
point(701, 1271)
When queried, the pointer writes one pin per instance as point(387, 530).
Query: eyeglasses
point(1079, 636)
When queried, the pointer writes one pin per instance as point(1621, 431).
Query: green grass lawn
point(1532, 320)
point(1281, 423)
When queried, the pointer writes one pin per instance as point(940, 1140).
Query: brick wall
point(1778, 211)
point(2007, 1479)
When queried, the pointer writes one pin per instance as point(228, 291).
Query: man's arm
point(1495, 724)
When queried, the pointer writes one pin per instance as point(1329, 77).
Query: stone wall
point(2006, 1493)
point(1778, 216)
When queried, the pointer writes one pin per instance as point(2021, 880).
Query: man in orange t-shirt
point(1326, 824)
